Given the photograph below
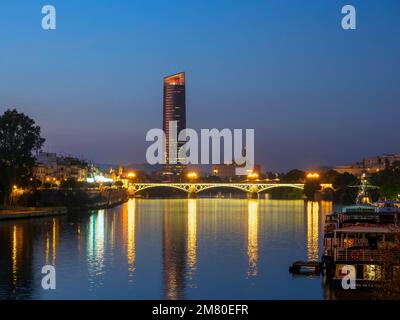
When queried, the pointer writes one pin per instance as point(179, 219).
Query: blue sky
point(314, 93)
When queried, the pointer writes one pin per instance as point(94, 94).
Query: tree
point(396, 165)
point(329, 176)
point(388, 182)
point(344, 180)
point(387, 164)
point(69, 184)
point(311, 187)
point(119, 184)
point(342, 184)
point(19, 139)
point(294, 176)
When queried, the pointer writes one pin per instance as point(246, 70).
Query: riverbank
point(27, 213)
point(36, 212)
point(97, 201)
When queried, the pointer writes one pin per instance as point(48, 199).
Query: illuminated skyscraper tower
point(174, 110)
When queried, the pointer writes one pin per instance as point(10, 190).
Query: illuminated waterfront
point(167, 249)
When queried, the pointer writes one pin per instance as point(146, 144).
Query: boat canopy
point(359, 209)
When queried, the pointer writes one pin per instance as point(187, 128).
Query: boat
point(367, 248)
point(388, 211)
point(364, 236)
point(306, 268)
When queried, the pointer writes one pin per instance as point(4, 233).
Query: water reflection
point(252, 237)
point(17, 244)
point(95, 243)
point(192, 237)
point(174, 225)
point(54, 242)
point(174, 249)
point(131, 225)
point(312, 230)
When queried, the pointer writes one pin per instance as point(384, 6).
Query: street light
point(252, 175)
point(131, 175)
point(192, 175)
point(313, 175)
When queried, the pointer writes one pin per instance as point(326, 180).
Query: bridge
point(252, 189)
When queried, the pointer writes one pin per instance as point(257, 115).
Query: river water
point(167, 249)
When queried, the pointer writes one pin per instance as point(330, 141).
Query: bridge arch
point(286, 185)
point(194, 188)
point(145, 186)
point(216, 186)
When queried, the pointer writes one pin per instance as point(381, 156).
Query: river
point(167, 249)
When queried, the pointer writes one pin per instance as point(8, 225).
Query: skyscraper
point(174, 110)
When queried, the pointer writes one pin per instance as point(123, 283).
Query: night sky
point(314, 93)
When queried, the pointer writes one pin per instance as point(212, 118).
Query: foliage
point(344, 180)
point(294, 176)
point(118, 184)
point(311, 187)
point(329, 176)
point(19, 139)
point(388, 181)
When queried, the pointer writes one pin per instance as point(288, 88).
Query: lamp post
point(192, 176)
point(313, 175)
point(252, 176)
point(131, 175)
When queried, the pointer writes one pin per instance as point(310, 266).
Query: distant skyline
point(314, 93)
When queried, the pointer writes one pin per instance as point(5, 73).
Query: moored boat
point(372, 251)
point(364, 238)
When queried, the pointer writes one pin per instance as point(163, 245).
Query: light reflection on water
point(167, 249)
point(192, 238)
point(252, 235)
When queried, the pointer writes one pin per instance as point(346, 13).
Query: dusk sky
point(314, 93)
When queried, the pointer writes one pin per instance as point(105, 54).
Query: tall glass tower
point(174, 110)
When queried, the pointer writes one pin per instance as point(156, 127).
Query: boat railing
point(372, 255)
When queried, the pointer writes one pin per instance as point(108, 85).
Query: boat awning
point(359, 209)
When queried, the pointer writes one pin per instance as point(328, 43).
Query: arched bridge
point(193, 188)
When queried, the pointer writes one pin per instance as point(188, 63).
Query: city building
point(50, 168)
point(355, 169)
point(229, 170)
point(174, 109)
point(381, 162)
point(224, 170)
point(369, 165)
point(71, 168)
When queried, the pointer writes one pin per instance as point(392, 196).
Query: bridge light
point(192, 175)
point(131, 175)
point(313, 175)
point(252, 175)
